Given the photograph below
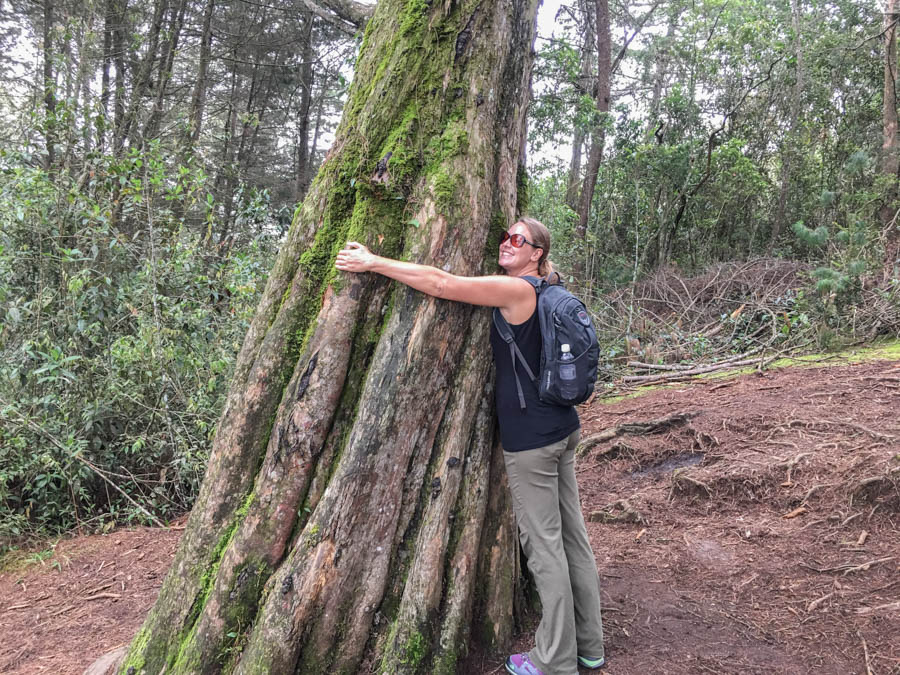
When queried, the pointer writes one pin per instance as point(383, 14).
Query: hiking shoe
point(520, 664)
point(593, 664)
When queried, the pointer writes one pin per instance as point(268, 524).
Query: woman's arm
point(508, 293)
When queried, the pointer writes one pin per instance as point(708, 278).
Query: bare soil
point(757, 531)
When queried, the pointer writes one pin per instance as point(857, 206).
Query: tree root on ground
point(620, 511)
point(635, 428)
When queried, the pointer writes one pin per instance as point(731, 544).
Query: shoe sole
point(582, 664)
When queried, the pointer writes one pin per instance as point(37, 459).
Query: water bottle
point(568, 387)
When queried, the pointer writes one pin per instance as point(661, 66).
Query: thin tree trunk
point(302, 175)
point(101, 124)
point(789, 144)
point(120, 9)
point(352, 507)
point(890, 158)
point(585, 85)
point(141, 85)
point(164, 72)
point(601, 100)
point(49, 86)
point(198, 97)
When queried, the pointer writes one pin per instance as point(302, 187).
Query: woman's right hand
point(355, 257)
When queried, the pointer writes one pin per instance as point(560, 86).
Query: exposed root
point(620, 511)
point(635, 428)
point(684, 485)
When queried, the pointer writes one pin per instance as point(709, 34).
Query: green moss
point(415, 650)
point(245, 507)
point(413, 17)
point(443, 186)
point(243, 604)
point(136, 652)
point(185, 659)
point(447, 660)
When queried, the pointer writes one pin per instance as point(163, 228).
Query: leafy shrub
point(119, 325)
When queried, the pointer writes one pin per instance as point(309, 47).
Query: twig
point(867, 565)
point(818, 601)
point(866, 653)
point(100, 596)
point(889, 607)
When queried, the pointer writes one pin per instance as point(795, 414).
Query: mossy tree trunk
point(355, 507)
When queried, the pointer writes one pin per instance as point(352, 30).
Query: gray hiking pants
point(553, 535)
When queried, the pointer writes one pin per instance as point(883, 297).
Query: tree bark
point(354, 507)
point(890, 158)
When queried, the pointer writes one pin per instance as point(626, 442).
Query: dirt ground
point(756, 529)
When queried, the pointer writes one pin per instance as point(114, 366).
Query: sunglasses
point(517, 240)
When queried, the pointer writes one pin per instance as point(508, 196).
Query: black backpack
point(564, 320)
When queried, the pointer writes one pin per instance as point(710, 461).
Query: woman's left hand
point(355, 257)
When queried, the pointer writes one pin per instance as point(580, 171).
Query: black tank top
point(540, 423)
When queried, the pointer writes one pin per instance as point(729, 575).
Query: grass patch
point(887, 350)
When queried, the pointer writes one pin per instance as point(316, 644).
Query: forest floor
point(755, 529)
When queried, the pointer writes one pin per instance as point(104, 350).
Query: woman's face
point(514, 259)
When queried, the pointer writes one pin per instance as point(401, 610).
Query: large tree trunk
point(355, 506)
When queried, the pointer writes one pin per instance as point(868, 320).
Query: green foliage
point(119, 326)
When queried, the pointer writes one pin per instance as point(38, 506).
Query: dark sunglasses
point(517, 240)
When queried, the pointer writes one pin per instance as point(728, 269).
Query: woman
point(538, 449)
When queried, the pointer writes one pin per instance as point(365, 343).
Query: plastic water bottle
point(568, 388)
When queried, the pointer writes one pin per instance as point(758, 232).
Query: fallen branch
point(701, 370)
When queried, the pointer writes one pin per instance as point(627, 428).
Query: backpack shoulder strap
point(537, 282)
point(505, 332)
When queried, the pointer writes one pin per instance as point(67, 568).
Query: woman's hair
point(540, 235)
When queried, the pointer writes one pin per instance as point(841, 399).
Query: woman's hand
point(355, 257)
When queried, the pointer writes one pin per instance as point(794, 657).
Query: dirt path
point(757, 533)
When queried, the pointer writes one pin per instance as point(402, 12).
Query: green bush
point(119, 325)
